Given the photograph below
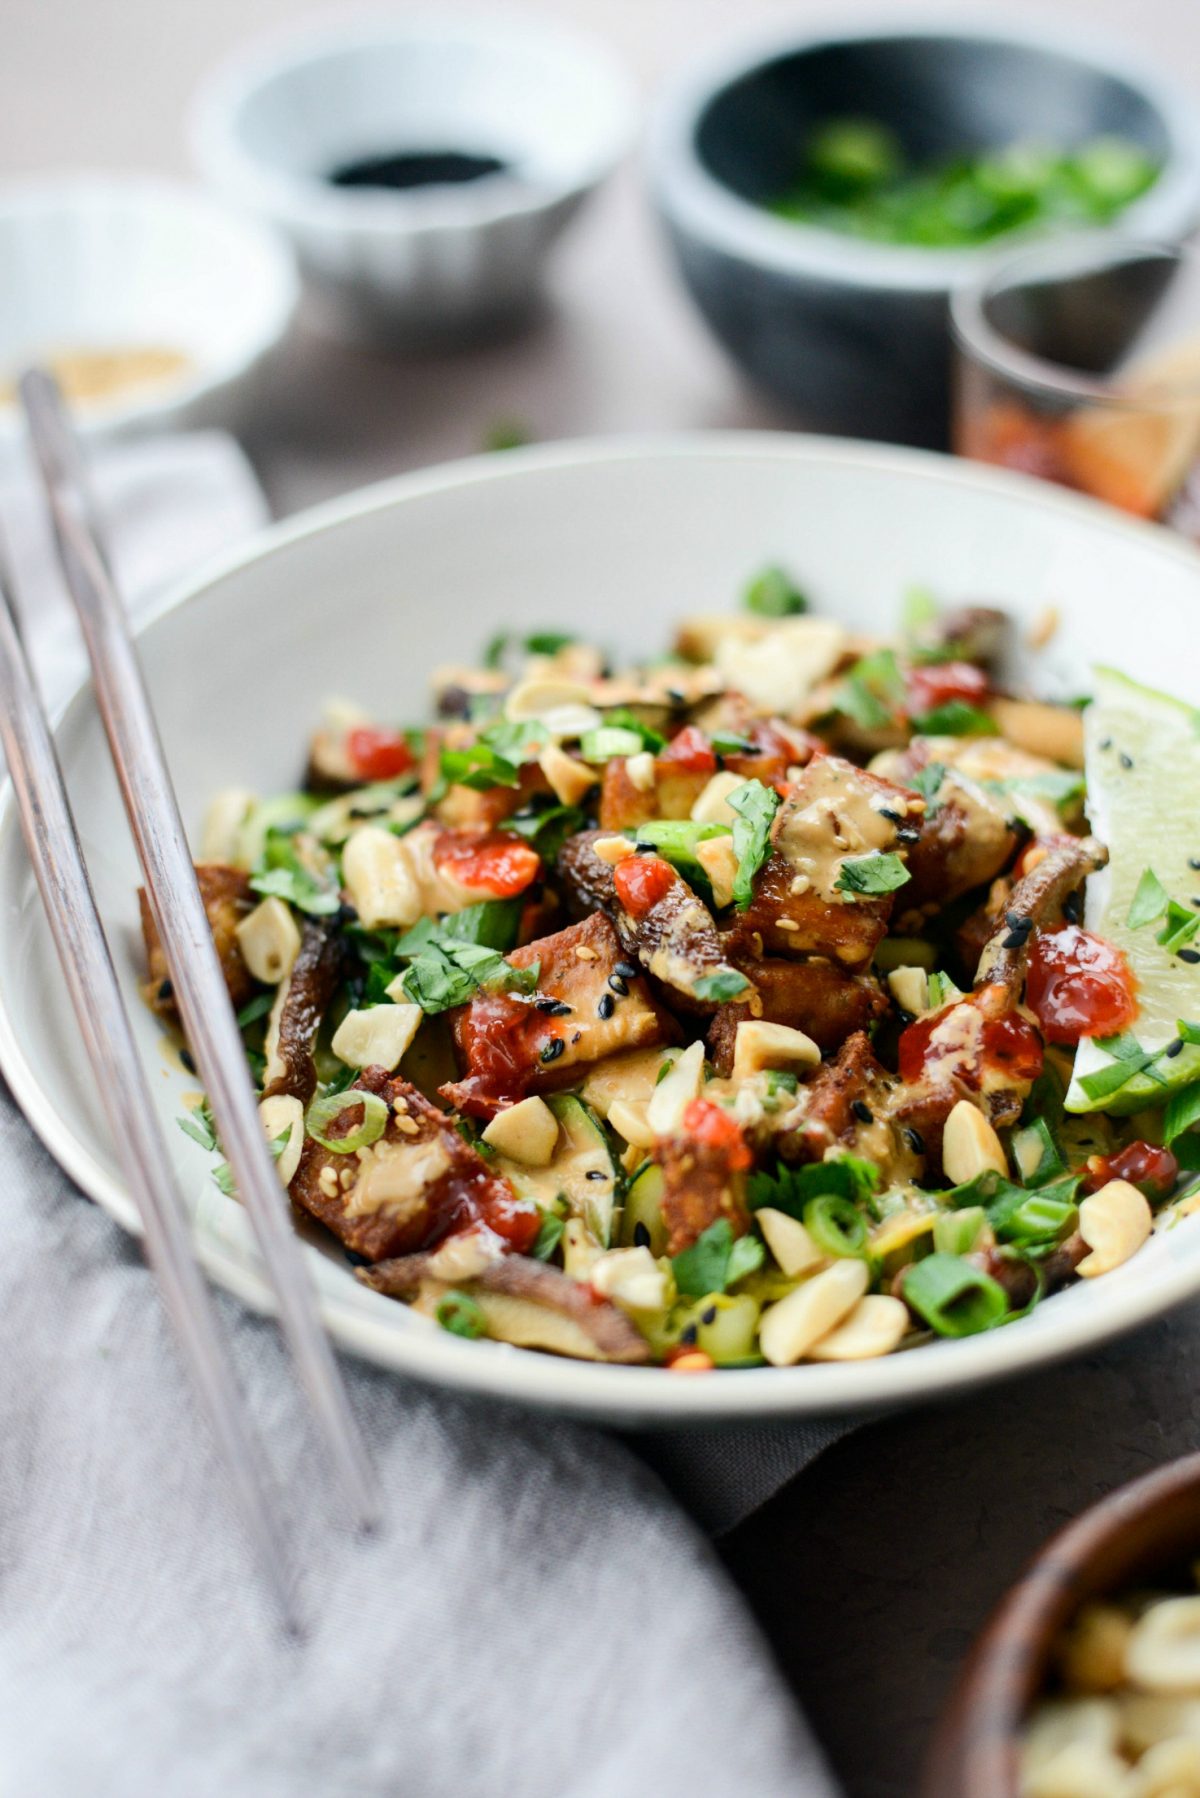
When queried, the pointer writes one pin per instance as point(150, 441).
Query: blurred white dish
point(96, 263)
point(615, 540)
point(269, 127)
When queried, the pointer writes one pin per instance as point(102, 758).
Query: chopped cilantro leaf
point(774, 594)
point(480, 767)
point(1149, 902)
point(727, 983)
point(715, 1260)
point(956, 719)
point(872, 874)
point(927, 782)
point(755, 805)
point(280, 874)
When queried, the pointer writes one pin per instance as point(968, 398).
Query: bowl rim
point(306, 203)
point(702, 206)
point(277, 284)
point(638, 1397)
point(975, 1749)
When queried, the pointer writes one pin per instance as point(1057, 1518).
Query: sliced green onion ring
point(835, 1225)
point(322, 1112)
point(954, 1298)
point(458, 1313)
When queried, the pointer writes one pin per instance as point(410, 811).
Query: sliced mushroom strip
point(536, 1305)
point(300, 1007)
point(676, 941)
point(228, 900)
point(1035, 903)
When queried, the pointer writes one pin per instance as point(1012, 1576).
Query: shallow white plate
point(364, 596)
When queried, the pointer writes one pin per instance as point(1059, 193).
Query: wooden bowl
point(1133, 1534)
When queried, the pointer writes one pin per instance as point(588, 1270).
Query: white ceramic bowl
point(614, 539)
point(99, 261)
point(270, 126)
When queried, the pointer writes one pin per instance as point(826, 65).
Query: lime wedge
point(1142, 752)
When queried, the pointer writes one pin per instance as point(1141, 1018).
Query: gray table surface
point(873, 1570)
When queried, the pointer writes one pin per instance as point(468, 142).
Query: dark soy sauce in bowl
point(407, 169)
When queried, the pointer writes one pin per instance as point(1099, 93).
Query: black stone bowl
point(854, 334)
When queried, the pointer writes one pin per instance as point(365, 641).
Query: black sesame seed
point(1018, 921)
point(357, 1260)
point(1194, 861)
point(892, 817)
point(1016, 939)
point(596, 1173)
point(1107, 743)
point(185, 1056)
point(675, 696)
point(628, 970)
point(1189, 955)
point(576, 1036)
point(645, 849)
point(862, 1112)
point(688, 1336)
point(606, 1006)
point(709, 1315)
point(1126, 761)
point(641, 1236)
point(554, 1008)
point(166, 991)
point(1174, 1048)
point(618, 986)
point(552, 1048)
point(915, 1140)
point(908, 833)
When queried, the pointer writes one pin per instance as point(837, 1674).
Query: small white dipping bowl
point(270, 127)
point(133, 262)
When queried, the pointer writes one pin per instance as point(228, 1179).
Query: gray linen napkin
point(536, 1616)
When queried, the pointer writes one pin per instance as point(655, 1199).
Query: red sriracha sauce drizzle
point(489, 1200)
point(970, 1040)
point(641, 881)
point(708, 1124)
point(495, 861)
point(501, 1039)
point(691, 751)
point(941, 683)
point(378, 754)
point(1079, 985)
point(1152, 1170)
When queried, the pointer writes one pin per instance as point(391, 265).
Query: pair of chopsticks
point(200, 991)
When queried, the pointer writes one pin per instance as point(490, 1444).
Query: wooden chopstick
point(95, 993)
point(178, 910)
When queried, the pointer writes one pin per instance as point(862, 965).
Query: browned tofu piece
point(672, 794)
point(700, 1185)
point(415, 1184)
point(835, 813)
point(510, 1044)
point(965, 841)
point(813, 995)
point(227, 900)
point(462, 806)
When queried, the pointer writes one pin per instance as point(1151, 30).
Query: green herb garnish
point(755, 805)
point(956, 719)
point(715, 1260)
point(872, 874)
point(774, 594)
point(726, 984)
